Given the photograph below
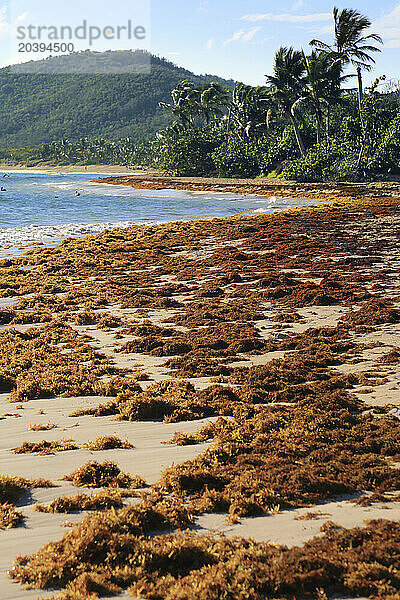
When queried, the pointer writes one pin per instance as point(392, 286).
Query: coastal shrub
point(237, 158)
point(190, 152)
point(385, 152)
point(328, 161)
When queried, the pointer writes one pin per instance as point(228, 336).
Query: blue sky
point(238, 39)
point(235, 39)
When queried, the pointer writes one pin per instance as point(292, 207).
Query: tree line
point(310, 121)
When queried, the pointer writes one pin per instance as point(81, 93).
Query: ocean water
point(43, 208)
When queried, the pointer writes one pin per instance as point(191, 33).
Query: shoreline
point(211, 304)
point(72, 169)
point(257, 187)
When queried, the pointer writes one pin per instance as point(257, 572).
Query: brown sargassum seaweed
point(288, 433)
point(11, 491)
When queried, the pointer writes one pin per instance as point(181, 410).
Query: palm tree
point(288, 84)
point(249, 109)
point(315, 91)
point(184, 104)
point(190, 103)
point(213, 100)
point(322, 86)
point(351, 46)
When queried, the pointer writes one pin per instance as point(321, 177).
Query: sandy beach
point(269, 345)
point(76, 169)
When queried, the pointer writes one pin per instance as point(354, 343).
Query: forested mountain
point(37, 107)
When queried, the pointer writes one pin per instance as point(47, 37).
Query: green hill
point(42, 106)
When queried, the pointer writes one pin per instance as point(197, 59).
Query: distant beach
point(76, 169)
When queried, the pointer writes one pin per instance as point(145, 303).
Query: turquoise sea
point(47, 208)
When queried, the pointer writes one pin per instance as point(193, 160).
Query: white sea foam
point(49, 233)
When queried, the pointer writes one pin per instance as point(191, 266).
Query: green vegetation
point(40, 107)
point(304, 124)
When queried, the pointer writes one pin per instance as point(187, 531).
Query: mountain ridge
point(39, 107)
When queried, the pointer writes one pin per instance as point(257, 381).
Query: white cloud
point(388, 26)
point(287, 18)
point(242, 36)
point(250, 34)
point(204, 7)
point(210, 44)
point(22, 17)
point(5, 26)
point(298, 4)
point(235, 38)
point(325, 29)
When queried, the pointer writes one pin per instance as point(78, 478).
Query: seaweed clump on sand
point(50, 360)
point(314, 443)
point(391, 358)
point(98, 502)
point(9, 516)
point(226, 340)
point(289, 457)
point(375, 312)
point(170, 401)
point(194, 567)
point(302, 372)
point(109, 537)
point(45, 447)
point(107, 442)
point(11, 491)
point(12, 488)
point(106, 474)
point(42, 426)
point(204, 434)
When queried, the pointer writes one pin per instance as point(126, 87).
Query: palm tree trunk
point(228, 124)
point(360, 110)
point(297, 134)
point(360, 97)
point(318, 123)
point(328, 119)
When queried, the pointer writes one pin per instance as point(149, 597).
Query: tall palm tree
point(213, 99)
point(351, 46)
point(287, 84)
point(249, 109)
point(315, 91)
point(322, 86)
point(184, 104)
